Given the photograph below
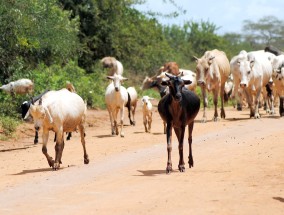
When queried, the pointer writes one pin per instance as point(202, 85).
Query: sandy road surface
point(238, 169)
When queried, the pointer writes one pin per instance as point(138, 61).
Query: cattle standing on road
point(178, 109)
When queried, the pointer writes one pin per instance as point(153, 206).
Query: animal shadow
point(24, 172)
point(152, 172)
point(104, 136)
point(280, 199)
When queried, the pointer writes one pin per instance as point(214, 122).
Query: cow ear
point(210, 60)
point(48, 114)
point(187, 82)
point(251, 63)
point(110, 77)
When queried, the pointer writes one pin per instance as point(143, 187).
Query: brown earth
point(238, 169)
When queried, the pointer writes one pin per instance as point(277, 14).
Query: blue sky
point(226, 14)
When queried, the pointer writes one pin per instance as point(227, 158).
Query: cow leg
point(281, 108)
point(129, 115)
point(205, 103)
point(63, 144)
point(222, 92)
point(169, 147)
point(44, 149)
point(111, 120)
point(36, 137)
point(145, 123)
point(215, 101)
point(256, 104)
point(249, 98)
point(149, 122)
point(58, 149)
point(190, 158)
point(180, 135)
point(133, 114)
point(82, 135)
point(121, 121)
point(115, 112)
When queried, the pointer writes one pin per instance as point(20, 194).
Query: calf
point(178, 109)
point(147, 112)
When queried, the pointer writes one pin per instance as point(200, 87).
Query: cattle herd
point(255, 78)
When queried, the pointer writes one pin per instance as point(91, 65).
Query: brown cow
point(212, 71)
point(171, 67)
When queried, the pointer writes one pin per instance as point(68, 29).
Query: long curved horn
point(196, 58)
point(168, 75)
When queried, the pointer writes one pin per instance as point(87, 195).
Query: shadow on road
point(39, 170)
point(280, 199)
point(153, 172)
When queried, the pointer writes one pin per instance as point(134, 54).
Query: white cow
point(212, 71)
point(252, 72)
point(116, 98)
point(59, 111)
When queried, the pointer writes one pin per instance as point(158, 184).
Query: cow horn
point(32, 101)
point(168, 75)
point(180, 74)
point(196, 58)
point(40, 101)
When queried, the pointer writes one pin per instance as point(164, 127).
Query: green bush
point(8, 125)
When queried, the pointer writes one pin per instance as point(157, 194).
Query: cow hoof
point(190, 161)
point(51, 162)
point(181, 168)
point(86, 160)
point(257, 116)
point(169, 168)
point(121, 134)
point(56, 166)
point(216, 119)
point(203, 120)
point(133, 123)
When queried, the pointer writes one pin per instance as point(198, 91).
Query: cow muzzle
point(201, 83)
point(37, 128)
point(242, 85)
point(178, 97)
point(116, 89)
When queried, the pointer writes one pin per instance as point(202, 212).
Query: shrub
point(8, 125)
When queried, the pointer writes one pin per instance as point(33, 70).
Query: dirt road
point(238, 169)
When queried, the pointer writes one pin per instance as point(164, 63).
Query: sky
point(226, 14)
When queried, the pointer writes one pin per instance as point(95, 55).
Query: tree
point(266, 31)
point(34, 31)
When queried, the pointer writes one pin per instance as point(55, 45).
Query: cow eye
point(248, 72)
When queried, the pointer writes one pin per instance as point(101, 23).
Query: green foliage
point(90, 87)
point(34, 31)
point(8, 125)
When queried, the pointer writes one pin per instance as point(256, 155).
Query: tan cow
point(212, 71)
